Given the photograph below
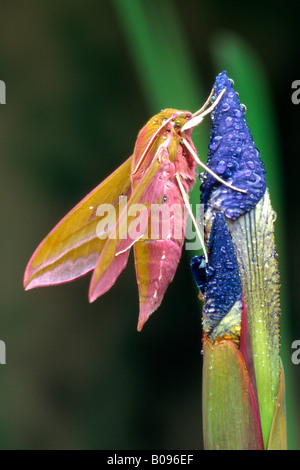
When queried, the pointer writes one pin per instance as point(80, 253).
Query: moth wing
point(73, 247)
point(114, 255)
point(154, 271)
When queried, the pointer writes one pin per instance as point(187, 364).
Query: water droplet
point(210, 271)
point(225, 107)
point(274, 216)
point(210, 309)
point(229, 265)
point(228, 121)
point(221, 167)
point(216, 142)
point(244, 108)
point(237, 113)
point(202, 177)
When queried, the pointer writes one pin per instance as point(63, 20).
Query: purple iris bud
point(233, 156)
point(219, 281)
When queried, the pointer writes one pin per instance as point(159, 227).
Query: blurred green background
point(82, 78)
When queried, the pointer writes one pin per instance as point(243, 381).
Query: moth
point(98, 233)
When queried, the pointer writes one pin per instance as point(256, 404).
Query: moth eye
point(188, 117)
point(168, 130)
point(165, 198)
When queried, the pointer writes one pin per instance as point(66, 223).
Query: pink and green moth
point(160, 171)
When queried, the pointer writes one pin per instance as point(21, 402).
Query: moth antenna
point(207, 102)
point(187, 205)
point(206, 168)
point(202, 112)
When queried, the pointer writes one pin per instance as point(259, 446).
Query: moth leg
point(206, 168)
point(187, 205)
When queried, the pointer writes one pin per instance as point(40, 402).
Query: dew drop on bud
point(244, 108)
point(274, 216)
point(228, 121)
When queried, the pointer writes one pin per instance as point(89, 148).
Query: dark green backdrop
point(82, 78)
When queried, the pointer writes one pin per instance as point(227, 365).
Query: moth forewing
point(75, 237)
point(119, 241)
